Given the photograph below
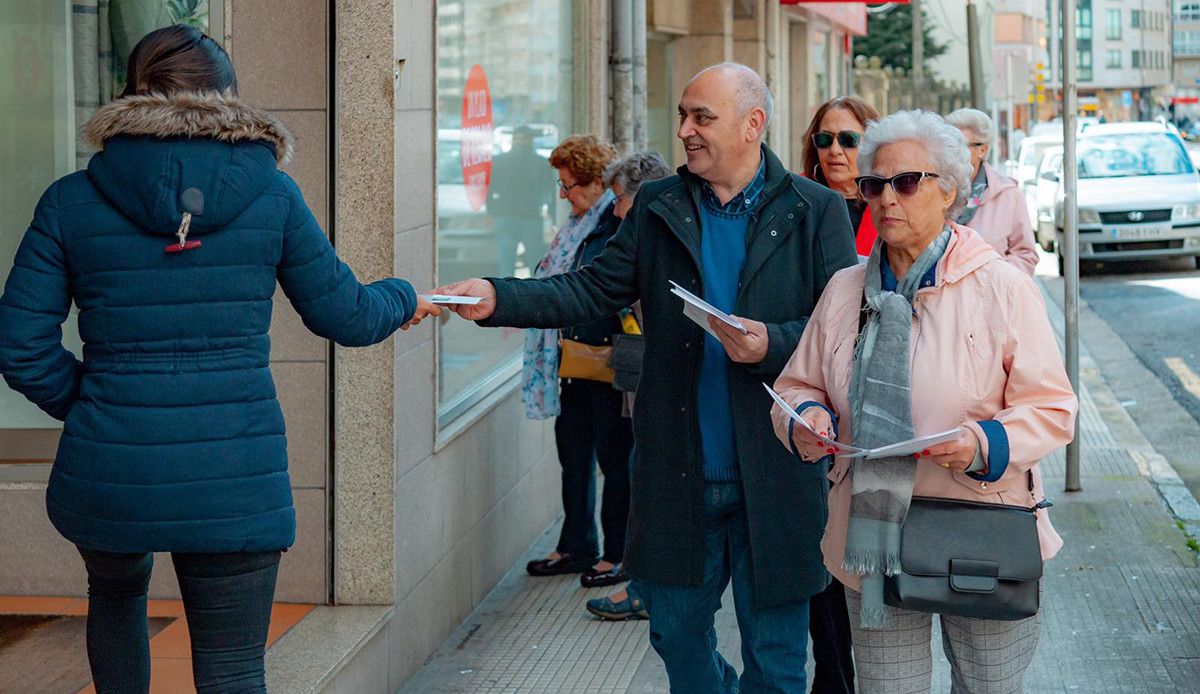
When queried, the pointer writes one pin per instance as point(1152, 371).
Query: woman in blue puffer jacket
point(171, 244)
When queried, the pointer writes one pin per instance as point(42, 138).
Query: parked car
point(1033, 148)
point(1139, 194)
point(1043, 194)
point(1025, 167)
point(1055, 126)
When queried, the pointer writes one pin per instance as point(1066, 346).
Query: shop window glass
point(818, 61)
point(62, 60)
point(504, 87)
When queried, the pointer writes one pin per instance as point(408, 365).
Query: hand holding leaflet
point(912, 446)
point(900, 448)
point(698, 310)
point(450, 300)
point(839, 448)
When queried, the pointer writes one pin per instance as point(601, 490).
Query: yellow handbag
point(588, 362)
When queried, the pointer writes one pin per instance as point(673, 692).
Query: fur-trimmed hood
point(191, 115)
point(160, 155)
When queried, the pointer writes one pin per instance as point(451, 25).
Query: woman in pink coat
point(995, 206)
point(953, 336)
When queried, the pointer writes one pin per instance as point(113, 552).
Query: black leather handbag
point(968, 558)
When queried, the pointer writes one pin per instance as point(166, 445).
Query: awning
point(850, 17)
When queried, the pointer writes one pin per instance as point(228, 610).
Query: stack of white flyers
point(699, 310)
point(448, 300)
point(900, 448)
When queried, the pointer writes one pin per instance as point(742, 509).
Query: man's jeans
point(226, 597)
point(774, 640)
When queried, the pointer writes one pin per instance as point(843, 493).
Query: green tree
point(889, 36)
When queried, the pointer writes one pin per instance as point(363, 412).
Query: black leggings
point(829, 627)
point(226, 597)
point(588, 430)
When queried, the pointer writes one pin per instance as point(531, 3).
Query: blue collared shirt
point(887, 278)
point(743, 202)
point(723, 230)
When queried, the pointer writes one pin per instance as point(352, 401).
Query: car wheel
point(1197, 259)
point(1047, 245)
point(1062, 268)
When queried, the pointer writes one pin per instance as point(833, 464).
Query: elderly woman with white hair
point(995, 206)
point(934, 334)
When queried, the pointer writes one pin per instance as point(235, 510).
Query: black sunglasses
point(848, 139)
point(905, 184)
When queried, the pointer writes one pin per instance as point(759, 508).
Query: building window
point(504, 100)
point(1083, 20)
point(1187, 43)
point(1188, 12)
point(1112, 59)
point(63, 60)
point(1135, 19)
point(1085, 64)
point(1113, 28)
point(1135, 59)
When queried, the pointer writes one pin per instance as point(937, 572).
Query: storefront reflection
point(508, 64)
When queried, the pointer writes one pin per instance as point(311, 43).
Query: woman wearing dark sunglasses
point(831, 158)
point(935, 332)
point(995, 206)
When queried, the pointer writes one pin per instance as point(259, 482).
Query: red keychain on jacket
point(193, 201)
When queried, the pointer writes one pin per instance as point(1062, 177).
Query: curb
point(1150, 464)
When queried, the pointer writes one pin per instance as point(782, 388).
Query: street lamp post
point(1070, 249)
point(918, 49)
point(974, 60)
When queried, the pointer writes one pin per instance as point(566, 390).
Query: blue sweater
point(722, 253)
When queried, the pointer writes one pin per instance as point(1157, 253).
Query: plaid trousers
point(987, 656)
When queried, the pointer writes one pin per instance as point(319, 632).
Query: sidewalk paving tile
point(1120, 611)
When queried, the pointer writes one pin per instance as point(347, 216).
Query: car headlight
point(1191, 211)
point(1087, 216)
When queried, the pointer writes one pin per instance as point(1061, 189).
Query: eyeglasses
point(848, 139)
point(566, 187)
point(905, 184)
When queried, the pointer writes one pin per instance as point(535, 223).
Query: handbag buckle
point(974, 576)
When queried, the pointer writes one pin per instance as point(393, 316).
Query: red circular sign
point(477, 137)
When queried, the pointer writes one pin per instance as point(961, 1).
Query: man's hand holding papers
point(744, 340)
point(748, 347)
point(469, 288)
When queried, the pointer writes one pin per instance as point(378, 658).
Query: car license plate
point(1141, 231)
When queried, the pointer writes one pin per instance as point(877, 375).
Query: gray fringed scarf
point(881, 407)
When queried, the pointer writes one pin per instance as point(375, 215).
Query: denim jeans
point(588, 430)
point(226, 597)
point(774, 640)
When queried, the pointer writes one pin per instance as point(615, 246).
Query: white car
point(1043, 194)
point(1029, 156)
point(1024, 169)
point(1139, 194)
